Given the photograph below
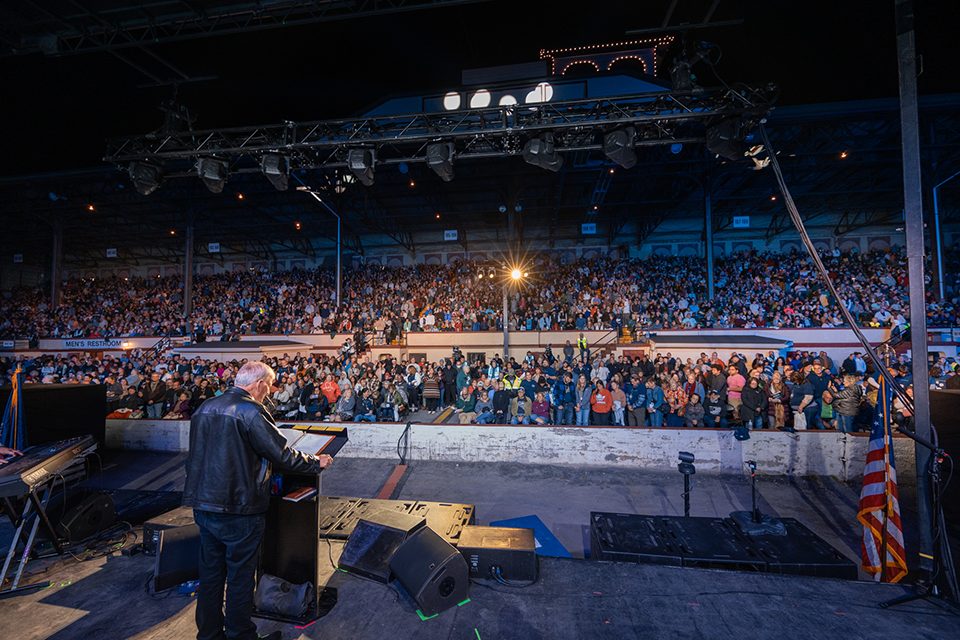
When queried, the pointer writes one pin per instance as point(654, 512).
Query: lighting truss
point(577, 125)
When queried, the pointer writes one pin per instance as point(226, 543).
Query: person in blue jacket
point(655, 400)
point(564, 399)
point(636, 392)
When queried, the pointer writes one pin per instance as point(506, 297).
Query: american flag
point(879, 500)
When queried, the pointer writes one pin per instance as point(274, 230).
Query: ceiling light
point(451, 101)
point(480, 99)
point(361, 162)
point(213, 173)
point(541, 152)
point(276, 168)
point(440, 159)
point(618, 147)
point(146, 177)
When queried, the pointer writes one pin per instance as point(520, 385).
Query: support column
point(506, 325)
point(913, 210)
point(339, 260)
point(56, 264)
point(708, 233)
point(188, 277)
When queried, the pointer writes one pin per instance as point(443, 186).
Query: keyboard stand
point(25, 530)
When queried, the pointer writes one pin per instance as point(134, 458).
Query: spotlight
point(618, 147)
point(518, 207)
point(843, 155)
point(173, 232)
point(516, 274)
point(91, 208)
point(296, 225)
point(146, 177)
point(542, 152)
point(239, 196)
point(213, 173)
point(725, 139)
point(502, 208)
point(676, 148)
point(440, 159)
point(361, 162)
point(412, 183)
point(437, 216)
point(276, 168)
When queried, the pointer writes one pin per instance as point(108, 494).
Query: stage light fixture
point(440, 159)
point(91, 208)
point(618, 147)
point(502, 208)
point(146, 177)
point(276, 168)
point(725, 139)
point(516, 274)
point(361, 163)
point(213, 173)
point(843, 155)
point(542, 152)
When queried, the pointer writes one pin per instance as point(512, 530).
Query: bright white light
point(480, 99)
point(543, 92)
point(516, 274)
point(507, 100)
point(451, 101)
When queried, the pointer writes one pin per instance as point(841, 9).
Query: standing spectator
point(801, 401)
point(619, 403)
point(565, 399)
point(778, 396)
point(582, 395)
point(431, 390)
point(846, 403)
point(656, 401)
point(448, 376)
point(601, 403)
point(501, 404)
point(568, 353)
point(636, 393)
point(753, 408)
point(154, 394)
point(735, 383)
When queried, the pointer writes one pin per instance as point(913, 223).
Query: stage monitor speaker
point(374, 540)
point(90, 516)
point(432, 571)
point(178, 557)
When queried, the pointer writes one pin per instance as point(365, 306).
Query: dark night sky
point(58, 111)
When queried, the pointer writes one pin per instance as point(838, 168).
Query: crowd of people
point(753, 289)
point(572, 387)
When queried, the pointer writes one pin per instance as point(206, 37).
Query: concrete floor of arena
point(105, 598)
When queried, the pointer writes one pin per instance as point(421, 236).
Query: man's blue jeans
point(565, 415)
point(229, 549)
point(845, 423)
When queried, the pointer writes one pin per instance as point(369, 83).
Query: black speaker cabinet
point(374, 540)
point(432, 571)
point(90, 516)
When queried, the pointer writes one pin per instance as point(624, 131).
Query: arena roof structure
point(841, 157)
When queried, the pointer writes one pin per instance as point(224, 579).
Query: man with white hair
point(234, 445)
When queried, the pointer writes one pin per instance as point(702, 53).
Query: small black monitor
point(178, 557)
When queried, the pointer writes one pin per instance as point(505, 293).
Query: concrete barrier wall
point(808, 453)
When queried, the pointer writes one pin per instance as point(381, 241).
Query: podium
point(291, 544)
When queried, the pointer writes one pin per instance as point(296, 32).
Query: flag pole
point(882, 397)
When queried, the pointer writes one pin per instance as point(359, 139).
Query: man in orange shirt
point(601, 402)
point(331, 392)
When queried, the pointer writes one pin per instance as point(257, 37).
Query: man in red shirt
point(601, 402)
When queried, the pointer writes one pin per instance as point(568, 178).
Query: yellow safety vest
point(514, 385)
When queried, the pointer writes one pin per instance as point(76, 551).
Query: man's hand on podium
point(325, 461)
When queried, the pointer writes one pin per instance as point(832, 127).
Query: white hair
point(252, 372)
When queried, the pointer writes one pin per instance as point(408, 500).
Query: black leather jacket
point(234, 443)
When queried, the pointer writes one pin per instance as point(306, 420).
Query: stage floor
point(577, 598)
